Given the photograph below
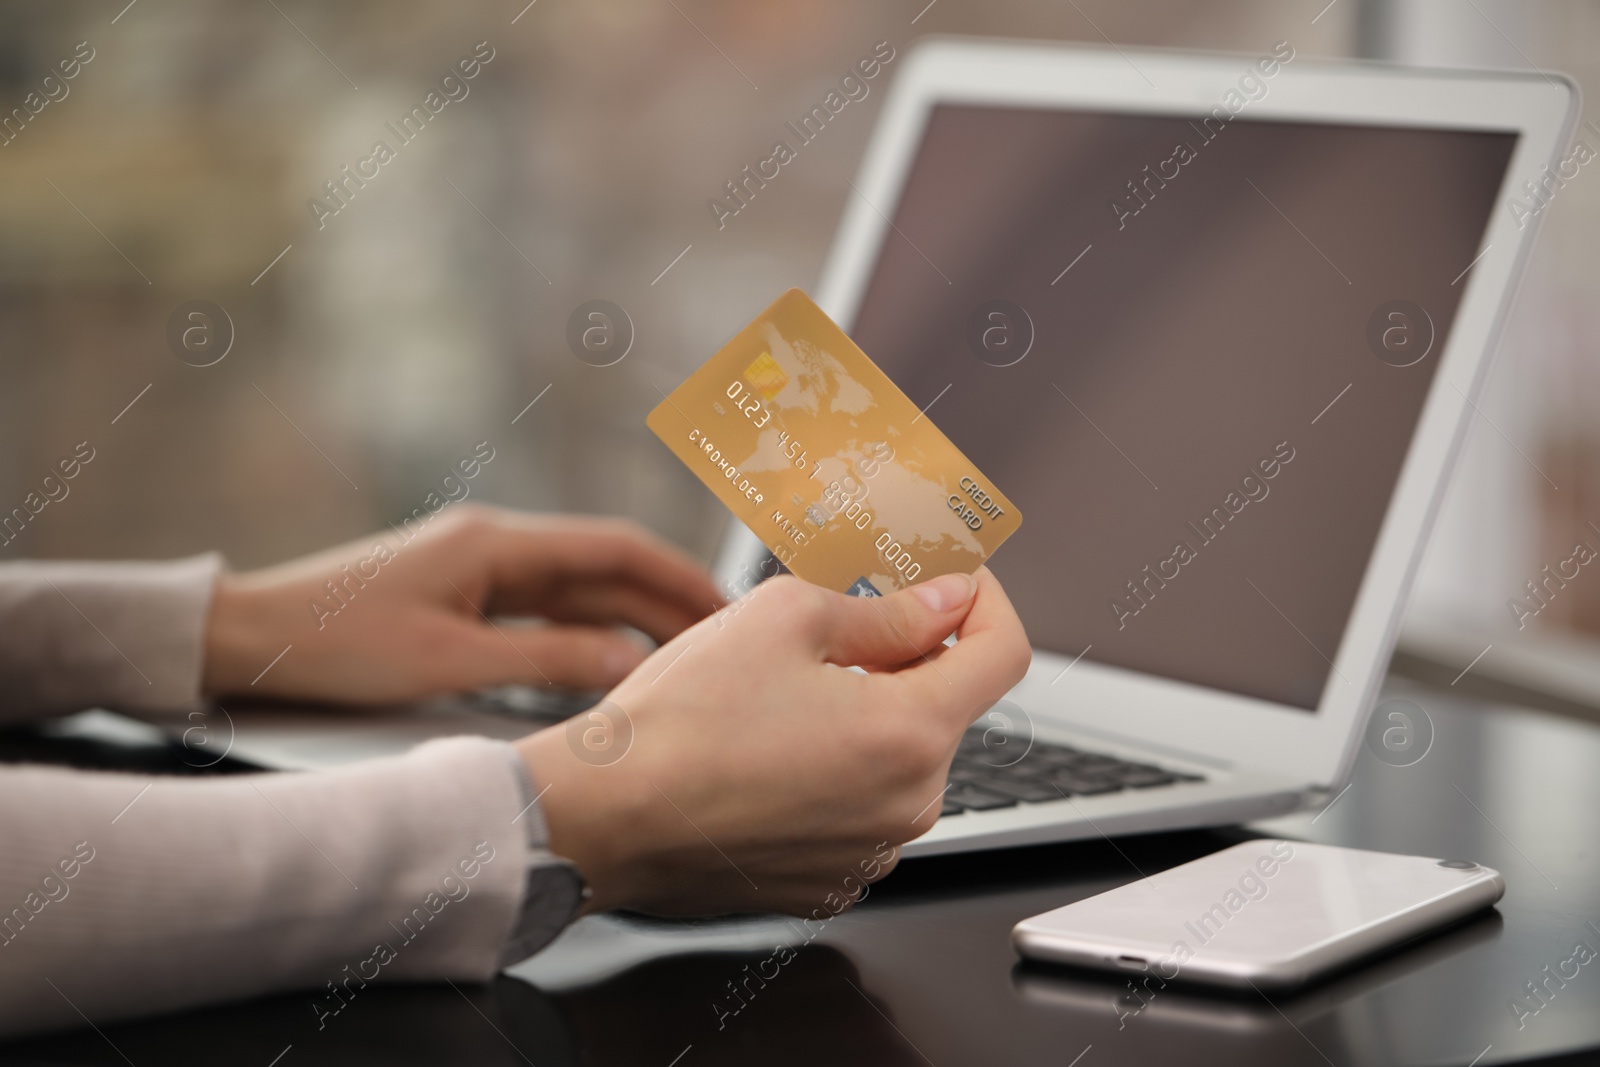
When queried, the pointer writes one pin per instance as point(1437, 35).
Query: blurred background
point(373, 348)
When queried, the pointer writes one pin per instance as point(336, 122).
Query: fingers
point(570, 657)
point(882, 631)
point(991, 654)
point(611, 603)
point(819, 889)
point(525, 551)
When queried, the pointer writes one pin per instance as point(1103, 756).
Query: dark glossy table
point(923, 972)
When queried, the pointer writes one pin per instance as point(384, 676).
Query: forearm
point(126, 635)
point(207, 890)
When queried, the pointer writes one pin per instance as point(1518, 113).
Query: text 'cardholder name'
point(827, 461)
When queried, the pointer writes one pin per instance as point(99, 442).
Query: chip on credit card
point(827, 461)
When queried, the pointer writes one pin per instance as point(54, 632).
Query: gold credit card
point(827, 461)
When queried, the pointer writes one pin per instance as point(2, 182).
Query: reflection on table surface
point(923, 971)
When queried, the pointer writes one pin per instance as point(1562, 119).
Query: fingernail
point(947, 592)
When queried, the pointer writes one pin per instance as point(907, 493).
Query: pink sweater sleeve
point(123, 895)
point(120, 635)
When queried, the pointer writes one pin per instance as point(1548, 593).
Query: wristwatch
point(555, 890)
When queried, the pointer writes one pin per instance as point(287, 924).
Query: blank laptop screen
point(1194, 355)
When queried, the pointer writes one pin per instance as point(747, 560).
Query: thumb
point(884, 631)
point(570, 657)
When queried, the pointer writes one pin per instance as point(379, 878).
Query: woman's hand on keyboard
point(474, 598)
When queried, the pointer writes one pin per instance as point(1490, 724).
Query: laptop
point(1216, 325)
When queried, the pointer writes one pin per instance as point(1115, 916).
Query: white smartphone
point(1264, 913)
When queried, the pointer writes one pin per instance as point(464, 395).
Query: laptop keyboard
point(987, 777)
point(982, 777)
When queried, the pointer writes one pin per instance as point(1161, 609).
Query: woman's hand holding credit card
point(742, 729)
point(827, 461)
